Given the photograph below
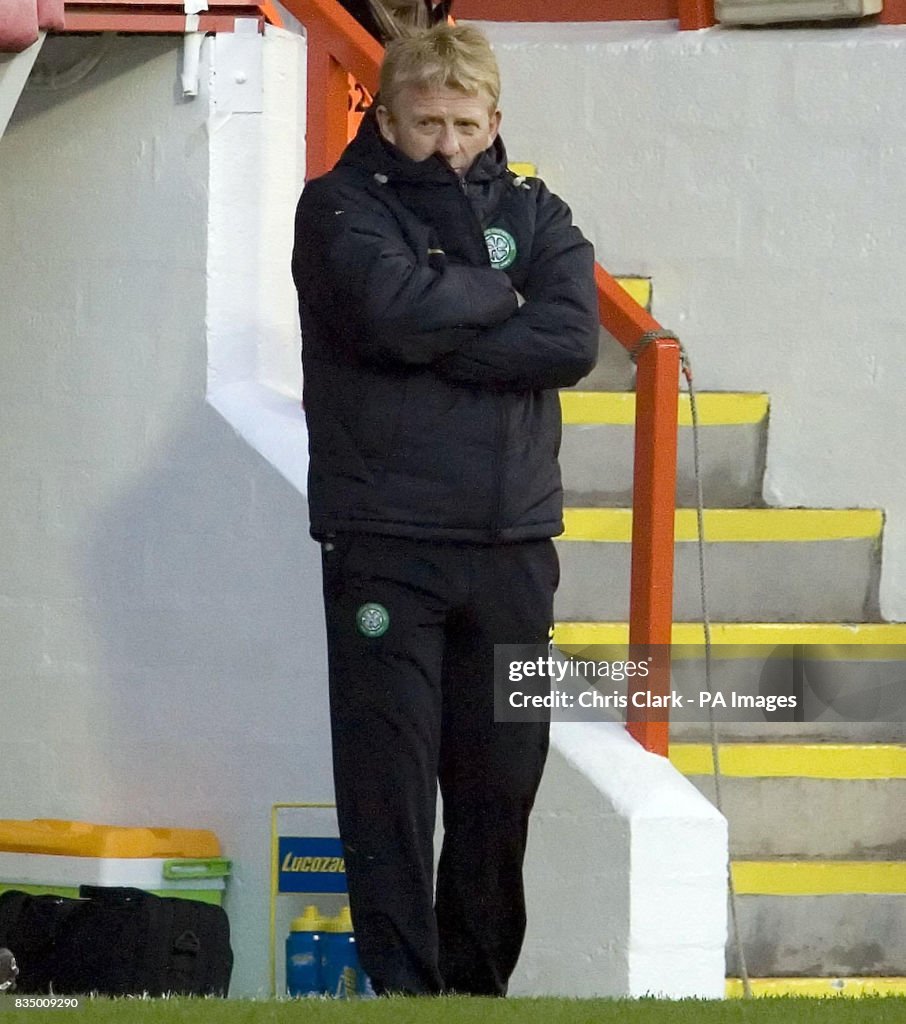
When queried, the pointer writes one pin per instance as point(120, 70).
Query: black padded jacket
point(431, 399)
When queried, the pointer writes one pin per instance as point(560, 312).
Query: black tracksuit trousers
point(412, 706)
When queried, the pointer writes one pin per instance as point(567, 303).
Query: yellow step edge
point(739, 634)
point(617, 408)
point(818, 878)
point(639, 288)
point(794, 760)
point(526, 170)
point(818, 988)
point(741, 525)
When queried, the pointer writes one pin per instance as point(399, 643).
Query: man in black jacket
point(443, 302)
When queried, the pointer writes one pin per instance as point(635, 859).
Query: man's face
point(425, 121)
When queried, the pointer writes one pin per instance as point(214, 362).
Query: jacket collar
point(371, 152)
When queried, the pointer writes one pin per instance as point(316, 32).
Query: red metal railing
point(163, 16)
point(691, 14)
point(337, 47)
point(337, 44)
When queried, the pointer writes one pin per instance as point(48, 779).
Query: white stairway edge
point(626, 875)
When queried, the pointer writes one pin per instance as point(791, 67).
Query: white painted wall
point(160, 633)
point(757, 176)
point(257, 154)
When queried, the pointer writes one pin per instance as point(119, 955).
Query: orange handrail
point(337, 44)
point(653, 498)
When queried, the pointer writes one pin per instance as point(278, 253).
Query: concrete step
point(822, 935)
point(821, 918)
point(821, 891)
point(572, 635)
point(597, 449)
point(818, 988)
point(849, 762)
point(832, 819)
point(873, 653)
point(836, 731)
point(849, 798)
point(796, 565)
point(818, 839)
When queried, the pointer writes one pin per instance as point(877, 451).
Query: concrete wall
point(160, 648)
point(756, 175)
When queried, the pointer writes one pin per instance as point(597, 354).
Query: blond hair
point(444, 57)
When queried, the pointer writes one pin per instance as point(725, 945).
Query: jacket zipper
point(498, 464)
point(464, 188)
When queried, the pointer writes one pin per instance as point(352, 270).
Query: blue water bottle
point(342, 974)
point(304, 954)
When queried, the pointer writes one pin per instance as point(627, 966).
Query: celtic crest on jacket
point(501, 248)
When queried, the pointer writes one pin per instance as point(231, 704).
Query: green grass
point(877, 1010)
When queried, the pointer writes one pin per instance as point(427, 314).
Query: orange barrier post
point(653, 498)
point(653, 517)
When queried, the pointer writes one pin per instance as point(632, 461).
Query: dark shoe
point(9, 971)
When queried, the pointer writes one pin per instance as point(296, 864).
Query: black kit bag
point(33, 924)
point(116, 941)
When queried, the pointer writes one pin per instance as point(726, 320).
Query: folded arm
point(552, 340)
point(406, 306)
